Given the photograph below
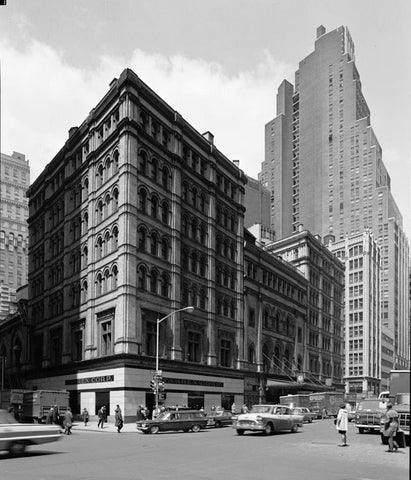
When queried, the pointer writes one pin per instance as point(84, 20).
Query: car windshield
point(6, 417)
point(261, 409)
point(164, 416)
point(370, 405)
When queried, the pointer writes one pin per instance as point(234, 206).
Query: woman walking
point(342, 424)
point(118, 418)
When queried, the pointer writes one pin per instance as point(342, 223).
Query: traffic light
point(153, 385)
point(160, 386)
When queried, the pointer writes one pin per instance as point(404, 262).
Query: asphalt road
point(312, 453)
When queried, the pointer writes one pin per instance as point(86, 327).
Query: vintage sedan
point(184, 420)
point(219, 418)
point(15, 436)
point(268, 419)
point(307, 414)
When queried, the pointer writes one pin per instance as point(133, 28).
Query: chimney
point(209, 137)
point(236, 163)
point(320, 31)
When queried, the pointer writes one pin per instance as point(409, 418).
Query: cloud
point(43, 96)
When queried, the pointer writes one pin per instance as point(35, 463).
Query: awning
point(281, 383)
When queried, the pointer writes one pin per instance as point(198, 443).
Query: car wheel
point(268, 429)
point(294, 429)
point(217, 425)
point(360, 430)
point(240, 431)
point(196, 428)
point(154, 429)
point(17, 448)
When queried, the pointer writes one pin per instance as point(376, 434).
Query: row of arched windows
point(282, 323)
point(226, 306)
point(153, 281)
point(151, 242)
point(194, 261)
point(78, 194)
point(106, 242)
point(225, 247)
point(56, 214)
point(226, 218)
point(194, 295)
point(194, 161)
point(153, 206)
point(56, 304)
point(56, 274)
point(106, 280)
point(152, 168)
point(226, 277)
point(107, 204)
point(192, 196)
point(107, 168)
point(154, 128)
point(193, 228)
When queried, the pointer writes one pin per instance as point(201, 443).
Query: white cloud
point(43, 96)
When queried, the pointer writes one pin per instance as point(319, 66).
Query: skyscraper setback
point(323, 166)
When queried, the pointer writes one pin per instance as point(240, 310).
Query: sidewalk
point(108, 427)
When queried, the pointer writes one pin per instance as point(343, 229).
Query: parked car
point(307, 414)
point(219, 418)
point(268, 419)
point(185, 420)
point(15, 436)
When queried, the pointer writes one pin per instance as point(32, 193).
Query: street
point(313, 452)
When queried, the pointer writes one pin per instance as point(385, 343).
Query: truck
point(296, 400)
point(369, 413)
point(400, 398)
point(326, 404)
point(37, 404)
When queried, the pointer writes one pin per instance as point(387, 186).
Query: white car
point(15, 436)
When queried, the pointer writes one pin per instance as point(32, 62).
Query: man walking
point(391, 427)
point(101, 417)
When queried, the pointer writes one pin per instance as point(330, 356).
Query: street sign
point(162, 396)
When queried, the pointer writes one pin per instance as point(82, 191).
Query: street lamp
point(159, 320)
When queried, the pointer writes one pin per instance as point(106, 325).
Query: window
point(143, 200)
point(106, 338)
point(142, 237)
point(165, 285)
point(142, 278)
point(142, 163)
point(225, 353)
point(55, 347)
point(153, 244)
point(153, 281)
point(193, 347)
point(151, 335)
point(77, 345)
point(251, 354)
point(165, 213)
point(164, 249)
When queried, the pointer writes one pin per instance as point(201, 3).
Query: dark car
point(185, 420)
point(307, 414)
point(219, 418)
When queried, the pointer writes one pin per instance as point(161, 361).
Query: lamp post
point(159, 320)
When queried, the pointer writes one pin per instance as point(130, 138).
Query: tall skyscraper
point(323, 165)
point(14, 182)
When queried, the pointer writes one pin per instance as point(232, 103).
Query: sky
point(217, 62)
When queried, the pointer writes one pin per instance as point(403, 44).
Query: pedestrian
point(85, 416)
point(56, 416)
point(341, 424)
point(140, 413)
point(49, 418)
point(118, 418)
point(68, 421)
point(391, 428)
point(233, 409)
point(101, 417)
point(244, 409)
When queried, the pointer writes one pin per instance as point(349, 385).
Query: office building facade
point(323, 165)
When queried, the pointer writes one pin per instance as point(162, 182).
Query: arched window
point(154, 206)
point(154, 169)
point(106, 281)
point(184, 191)
point(218, 215)
point(115, 161)
point(194, 262)
point(84, 292)
point(142, 163)
point(194, 197)
point(100, 211)
point(153, 281)
point(99, 176)
point(251, 354)
point(115, 200)
point(153, 243)
point(184, 225)
point(184, 294)
point(84, 257)
point(142, 278)
point(203, 266)
point(106, 246)
point(193, 296)
point(108, 167)
point(165, 218)
point(266, 318)
point(232, 309)
point(165, 285)
point(202, 203)
point(203, 299)
point(184, 260)
point(226, 276)
point(194, 227)
point(266, 358)
point(115, 238)
point(142, 239)
point(232, 281)
point(99, 248)
point(84, 190)
point(165, 177)
point(165, 255)
point(225, 307)
point(203, 234)
point(232, 252)
point(143, 200)
point(99, 284)
point(84, 224)
point(114, 277)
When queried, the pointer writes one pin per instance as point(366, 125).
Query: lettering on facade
point(82, 381)
point(189, 381)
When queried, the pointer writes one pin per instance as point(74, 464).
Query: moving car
point(306, 413)
point(268, 419)
point(219, 418)
point(15, 436)
point(368, 415)
point(185, 420)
